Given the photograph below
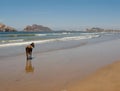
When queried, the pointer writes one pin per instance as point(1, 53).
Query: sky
point(61, 14)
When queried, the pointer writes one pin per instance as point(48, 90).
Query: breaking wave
point(19, 42)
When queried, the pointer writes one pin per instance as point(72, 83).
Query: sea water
point(13, 43)
point(20, 38)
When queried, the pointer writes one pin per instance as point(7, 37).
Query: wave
point(33, 34)
point(40, 34)
point(20, 42)
point(21, 35)
point(79, 37)
point(16, 35)
point(25, 42)
point(11, 41)
point(63, 33)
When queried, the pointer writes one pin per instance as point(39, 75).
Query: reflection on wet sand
point(29, 67)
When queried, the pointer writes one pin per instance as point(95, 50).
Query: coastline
point(56, 70)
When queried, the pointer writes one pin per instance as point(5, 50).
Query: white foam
point(66, 33)
point(19, 40)
point(79, 37)
point(40, 34)
point(23, 43)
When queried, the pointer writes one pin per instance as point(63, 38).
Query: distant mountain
point(5, 28)
point(37, 28)
point(101, 30)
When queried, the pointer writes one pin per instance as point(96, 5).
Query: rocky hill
point(37, 28)
point(5, 28)
point(101, 30)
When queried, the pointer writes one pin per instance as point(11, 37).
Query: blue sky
point(61, 14)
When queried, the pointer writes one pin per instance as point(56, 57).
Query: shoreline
point(18, 48)
point(56, 70)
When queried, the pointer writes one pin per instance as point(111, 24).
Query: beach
point(59, 45)
point(105, 79)
point(81, 68)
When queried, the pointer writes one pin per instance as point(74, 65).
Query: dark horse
point(29, 49)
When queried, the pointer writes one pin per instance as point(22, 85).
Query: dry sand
point(106, 79)
point(63, 69)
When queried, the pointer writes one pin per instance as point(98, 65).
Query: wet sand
point(58, 70)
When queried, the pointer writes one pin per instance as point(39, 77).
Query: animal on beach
point(29, 49)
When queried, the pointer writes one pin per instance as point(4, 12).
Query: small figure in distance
point(29, 49)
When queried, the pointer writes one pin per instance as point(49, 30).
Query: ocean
point(19, 38)
point(13, 43)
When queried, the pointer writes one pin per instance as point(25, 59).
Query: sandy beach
point(105, 79)
point(84, 68)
